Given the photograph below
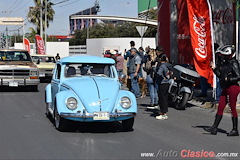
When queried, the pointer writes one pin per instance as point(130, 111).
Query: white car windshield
point(14, 56)
point(89, 69)
point(46, 59)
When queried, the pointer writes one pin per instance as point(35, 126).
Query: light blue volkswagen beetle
point(86, 89)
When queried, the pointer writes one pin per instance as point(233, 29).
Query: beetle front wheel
point(128, 124)
point(60, 123)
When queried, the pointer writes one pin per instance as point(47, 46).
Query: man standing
point(57, 57)
point(127, 55)
point(119, 64)
point(134, 68)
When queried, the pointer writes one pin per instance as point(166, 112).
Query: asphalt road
point(26, 133)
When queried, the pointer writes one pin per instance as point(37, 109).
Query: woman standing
point(149, 69)
point(229, 75)
point(162, 79)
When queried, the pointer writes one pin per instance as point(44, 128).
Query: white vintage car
point(45, 64)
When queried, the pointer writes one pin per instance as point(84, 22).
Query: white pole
point(23, 31)
point(45, 21)
point(237, 47)
point(41, 23)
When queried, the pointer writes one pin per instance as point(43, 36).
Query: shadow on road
point(93, 127)
point(219, 129)
point(18, 89)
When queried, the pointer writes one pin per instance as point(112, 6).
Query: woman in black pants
point(163, 76)
point(229, 75)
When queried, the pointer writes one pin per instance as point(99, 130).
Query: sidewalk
point(208, 102)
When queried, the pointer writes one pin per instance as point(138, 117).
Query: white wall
point(96, 46)
point(52, 48)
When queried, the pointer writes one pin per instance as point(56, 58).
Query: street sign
point(141, 30)
point(11, 21)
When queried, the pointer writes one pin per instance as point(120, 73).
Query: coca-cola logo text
point(223, 16)
point(199, 28)
point(40, 45)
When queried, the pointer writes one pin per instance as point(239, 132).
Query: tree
point(34, 14)
point(126, 29)
point(31, 36)
point(151, 31)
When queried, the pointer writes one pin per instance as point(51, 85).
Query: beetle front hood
point(96, 93)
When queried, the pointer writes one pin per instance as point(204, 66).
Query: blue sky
point(60, 25)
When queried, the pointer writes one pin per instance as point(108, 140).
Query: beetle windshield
point(14, 56)
point(89, 69)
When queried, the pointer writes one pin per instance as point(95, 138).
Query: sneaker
point(152, 107)
point(162, 117)
point(166, 117)
point(156, 105)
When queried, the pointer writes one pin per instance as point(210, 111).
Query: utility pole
point(41, 20)
point(7, 38)
point(45, 28)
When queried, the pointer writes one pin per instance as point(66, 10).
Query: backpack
point(148, 65)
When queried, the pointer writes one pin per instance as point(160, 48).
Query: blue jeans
point(135, 86)
point(152, 90)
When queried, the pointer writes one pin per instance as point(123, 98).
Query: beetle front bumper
point(89, 116)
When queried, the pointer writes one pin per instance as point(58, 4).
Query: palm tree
point(31, 35)
point(34, 14)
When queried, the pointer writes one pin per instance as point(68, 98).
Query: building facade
point(143, 7)
point(79, 24)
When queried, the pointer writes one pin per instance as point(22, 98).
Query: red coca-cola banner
point(26, 44)
point(40, 45)
point(199, 14)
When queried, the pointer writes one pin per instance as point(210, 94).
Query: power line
point(23, 6)
point(6, 11)
point(14, 7)
point(61, 2)
point(68, 3)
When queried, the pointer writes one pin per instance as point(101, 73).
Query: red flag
point(26, 44)
point(40, 45)
point(199, 14)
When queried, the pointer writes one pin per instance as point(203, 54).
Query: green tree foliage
point(34, 14)
point(31, 35)
point(126, 29)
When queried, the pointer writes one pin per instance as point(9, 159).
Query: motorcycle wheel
point(182, 102)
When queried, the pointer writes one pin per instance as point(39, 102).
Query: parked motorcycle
point(181, 86)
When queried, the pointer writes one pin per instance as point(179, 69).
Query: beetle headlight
point(71, 103)
point(126, 102)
